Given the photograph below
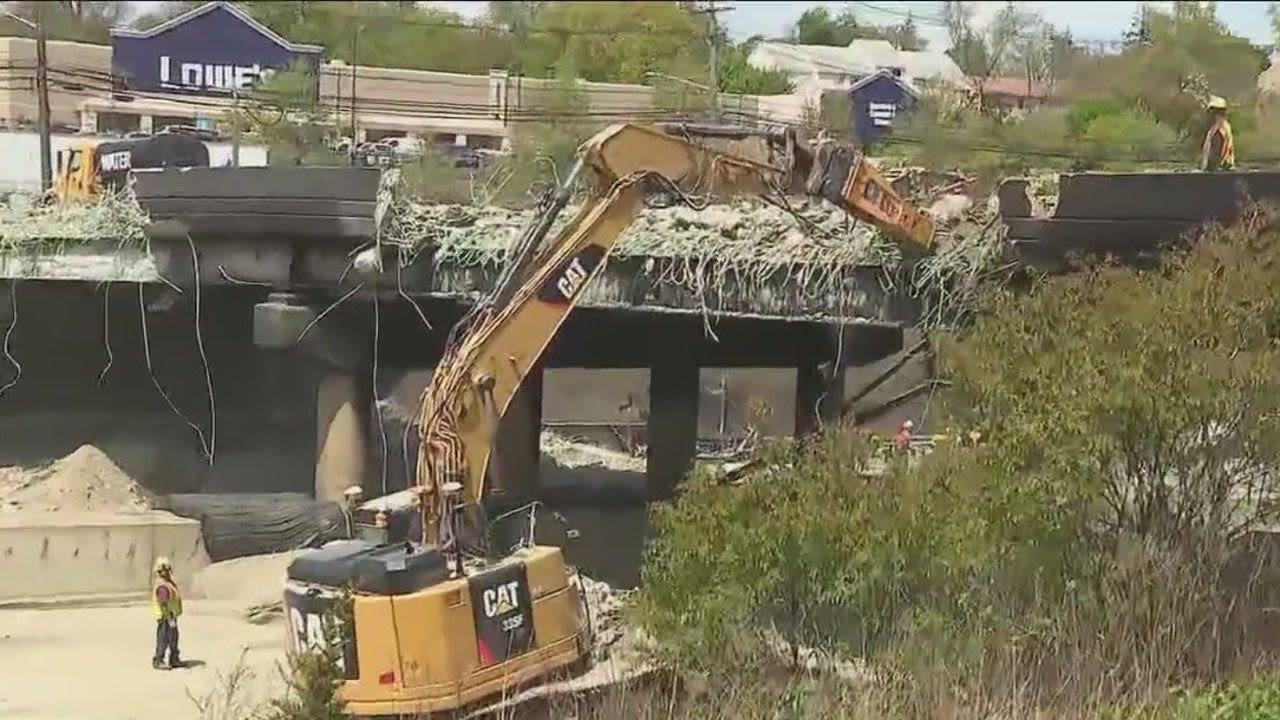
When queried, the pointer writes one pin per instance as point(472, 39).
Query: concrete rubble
point(740, 231)
point(571, 454)
point(27, 225)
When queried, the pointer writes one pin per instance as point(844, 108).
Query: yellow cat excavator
point(435, 626)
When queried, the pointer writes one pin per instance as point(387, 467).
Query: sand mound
point(84, 481)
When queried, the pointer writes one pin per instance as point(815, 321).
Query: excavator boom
point(497, 345)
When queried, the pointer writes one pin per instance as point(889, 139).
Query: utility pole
point(713, 71)
point(355, 61)
point(42, 102)
point(236, 120)
point(42, 93)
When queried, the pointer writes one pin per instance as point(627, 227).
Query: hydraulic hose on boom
point(508, 332)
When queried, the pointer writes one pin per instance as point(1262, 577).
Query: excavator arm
point(496, 346)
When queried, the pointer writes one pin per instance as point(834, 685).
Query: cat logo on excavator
point(501, 600)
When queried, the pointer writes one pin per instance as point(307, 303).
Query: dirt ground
point(94, 663)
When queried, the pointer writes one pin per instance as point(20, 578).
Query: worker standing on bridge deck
point(1219, 151)
point(166, 602)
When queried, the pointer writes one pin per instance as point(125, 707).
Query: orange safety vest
point(1227, 160)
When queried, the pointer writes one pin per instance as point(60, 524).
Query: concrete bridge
point(226, 270)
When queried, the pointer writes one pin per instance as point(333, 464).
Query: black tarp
point(242, 524)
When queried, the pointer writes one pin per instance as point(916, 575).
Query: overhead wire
point(8, 337)
point(204, 358)
point(155, 380)
point(446, 110)
point(377, 406)
point(106, 331)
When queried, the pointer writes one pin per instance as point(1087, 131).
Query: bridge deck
point(846, 295)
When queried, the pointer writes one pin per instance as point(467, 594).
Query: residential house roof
point(1013, 87)
point(859, 58)
point(883, 74)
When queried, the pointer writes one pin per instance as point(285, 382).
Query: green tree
point(817, 26)
point(382, 34)
point(77, 21)
point(615, 41)
point(905, 35)
point(1188, 48)
point(1132, 438)
point(737, 75)
point(286, 113)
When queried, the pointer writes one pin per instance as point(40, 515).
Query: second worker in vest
point(166, 602)
point(1219, 151)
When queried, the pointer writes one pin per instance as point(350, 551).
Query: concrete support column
point(340, 434)
point(672, 424)
point(513, 466)
point(330, 366)
point(285, 390)
point(819, 396)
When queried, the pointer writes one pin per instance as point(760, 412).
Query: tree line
point(631, 42)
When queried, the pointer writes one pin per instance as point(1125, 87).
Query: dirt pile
point(84, 481)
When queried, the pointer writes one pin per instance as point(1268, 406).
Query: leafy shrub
point(1097, 546)
point(1082, 113)
point(1257, 699)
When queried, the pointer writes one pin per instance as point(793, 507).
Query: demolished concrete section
point(742, 238)
point(746, 232)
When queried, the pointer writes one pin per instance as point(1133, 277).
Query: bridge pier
point(340, 434)
point(330, 362)
point(672, 424)
point(516, 452)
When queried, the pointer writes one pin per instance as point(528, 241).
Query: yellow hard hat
point(162, 564)
point(1216, 103)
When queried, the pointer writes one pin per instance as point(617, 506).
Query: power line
point(98, 81)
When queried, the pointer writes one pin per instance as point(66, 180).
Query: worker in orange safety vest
point(902, 440)
point(1219, 150)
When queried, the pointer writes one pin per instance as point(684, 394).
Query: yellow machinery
point(436, 626)
point(91, 167)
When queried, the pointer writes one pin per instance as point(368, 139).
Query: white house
point(828, 68)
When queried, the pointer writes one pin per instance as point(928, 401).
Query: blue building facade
point(877, 101)
point(211, 50)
